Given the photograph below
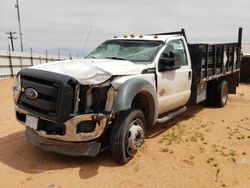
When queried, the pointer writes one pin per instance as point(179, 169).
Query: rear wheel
point(221, 93)
point(127, 135)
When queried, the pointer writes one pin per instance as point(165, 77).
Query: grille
point(85, 127)
point(55, 94)
point(51, 128)
point(47, 100)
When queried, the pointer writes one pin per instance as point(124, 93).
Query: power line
point(19, 23)
point(11, 37)
point(86, 41)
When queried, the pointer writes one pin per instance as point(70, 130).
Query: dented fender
point(129, 89)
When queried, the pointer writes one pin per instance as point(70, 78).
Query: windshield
point(132, 50)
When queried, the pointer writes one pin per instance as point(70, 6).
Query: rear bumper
point(90, 149)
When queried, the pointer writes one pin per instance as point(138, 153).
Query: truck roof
point(145, 37)
point(154, 37)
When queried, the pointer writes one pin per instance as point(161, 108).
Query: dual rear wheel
point(217, 93)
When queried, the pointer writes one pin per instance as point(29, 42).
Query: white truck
point(127, 84)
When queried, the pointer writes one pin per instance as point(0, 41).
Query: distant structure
point(246, 49)
point(245, 63)
point(11, 37)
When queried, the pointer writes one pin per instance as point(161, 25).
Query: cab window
point(176, 46)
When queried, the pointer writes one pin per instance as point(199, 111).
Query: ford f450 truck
point(127, 84)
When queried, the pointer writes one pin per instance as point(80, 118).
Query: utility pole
point(11, 37)
point(19, 22)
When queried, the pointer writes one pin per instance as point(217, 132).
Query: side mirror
point(169, 62)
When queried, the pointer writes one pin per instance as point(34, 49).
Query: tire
point(127, 135)
point(221, 93)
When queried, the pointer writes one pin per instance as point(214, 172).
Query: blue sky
point(63, 25)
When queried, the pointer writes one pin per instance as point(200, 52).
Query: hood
point(92, 71)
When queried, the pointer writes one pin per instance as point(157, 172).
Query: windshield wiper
point(118, 58)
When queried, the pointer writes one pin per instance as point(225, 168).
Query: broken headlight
point(17, 88)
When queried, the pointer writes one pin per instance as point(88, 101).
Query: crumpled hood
point(92, 71)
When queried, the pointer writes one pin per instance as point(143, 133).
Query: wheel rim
point(224, 94)
point(135, 137)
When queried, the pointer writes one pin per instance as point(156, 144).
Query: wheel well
point(145, 102)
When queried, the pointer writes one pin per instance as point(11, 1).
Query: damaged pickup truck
point(127, 84)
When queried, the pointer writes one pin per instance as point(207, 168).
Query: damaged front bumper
point(70, 130)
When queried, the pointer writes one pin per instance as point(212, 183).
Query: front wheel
point(127, 135)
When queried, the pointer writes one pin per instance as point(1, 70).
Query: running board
point(171, 115)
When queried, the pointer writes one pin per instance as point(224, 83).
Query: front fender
point(129, 89)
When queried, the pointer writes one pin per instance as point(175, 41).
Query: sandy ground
point(204, 147)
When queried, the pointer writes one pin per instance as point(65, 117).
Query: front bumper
point(90, 149)
point(71, 134)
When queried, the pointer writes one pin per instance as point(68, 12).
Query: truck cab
point(108, 99)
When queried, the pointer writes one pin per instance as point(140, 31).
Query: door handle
point(189, 75)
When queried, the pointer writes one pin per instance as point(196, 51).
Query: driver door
point(174, 86)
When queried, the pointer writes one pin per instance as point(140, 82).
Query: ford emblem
point(31, 93)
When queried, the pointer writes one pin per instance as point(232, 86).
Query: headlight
point(17, 88)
